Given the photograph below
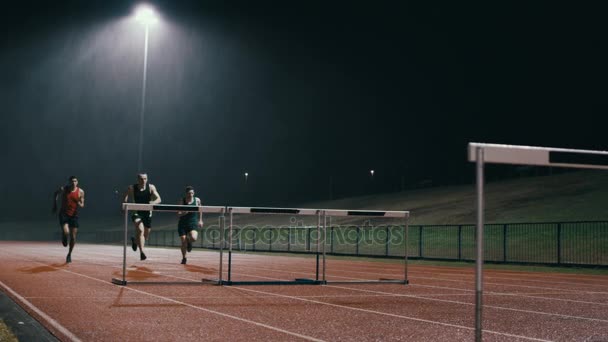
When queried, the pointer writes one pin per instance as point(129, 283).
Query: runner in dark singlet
point(188, 222)
point(142, 192)
point(72, 197)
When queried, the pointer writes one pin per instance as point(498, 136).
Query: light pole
point(246, 188)
point(371, 178)
point(145, 15)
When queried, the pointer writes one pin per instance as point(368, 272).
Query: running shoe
point(68, 259)
point(142, 256)
point(189, 248)
point(133, 244)
point(184, 261)
point(64, 239)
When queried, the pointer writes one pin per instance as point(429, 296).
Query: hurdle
point(165, 208)
point(270, 211)
point(482, 153)
point(322, 216)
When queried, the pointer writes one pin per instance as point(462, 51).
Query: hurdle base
point(211, 281)
point(119, 282)
point(381, 281)
point(297, 281)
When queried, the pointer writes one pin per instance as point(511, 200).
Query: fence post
point(559, 243)
point(357, 242)
point(238, 238)
point(387, 240)
point(270, 239)
point(504, 242)
point(420, 254)
point(307, 239)
point(331, 230)
point(459, 242)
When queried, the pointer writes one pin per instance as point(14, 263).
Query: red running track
point(78, 302)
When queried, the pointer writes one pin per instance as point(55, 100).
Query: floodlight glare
point(145, 14)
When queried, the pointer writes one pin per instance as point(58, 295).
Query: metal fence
point(548, 243)
point(551, 243)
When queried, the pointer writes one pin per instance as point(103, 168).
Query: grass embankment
point(6, 335)
point(574, 196)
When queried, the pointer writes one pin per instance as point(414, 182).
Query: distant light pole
point(371, 181)
point(145, 15)
point(245, 188)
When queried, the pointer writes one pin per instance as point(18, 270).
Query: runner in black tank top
point(188, 222)
point(144, 193)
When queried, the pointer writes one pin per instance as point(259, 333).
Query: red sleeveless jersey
point(69, 201)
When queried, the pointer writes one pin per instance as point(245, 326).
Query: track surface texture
point(166, 301)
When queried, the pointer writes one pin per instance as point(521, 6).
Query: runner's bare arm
point(155, 195)
point(55, 195)
point(125, 197)
point(200, 217)
point(81, 199)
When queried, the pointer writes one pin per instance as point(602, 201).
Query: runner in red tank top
point(72, 197)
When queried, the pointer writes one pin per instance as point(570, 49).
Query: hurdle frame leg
point(123, 282)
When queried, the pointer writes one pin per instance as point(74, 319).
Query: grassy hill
point(573, 196)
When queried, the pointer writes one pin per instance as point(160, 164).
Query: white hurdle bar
point(167, 208)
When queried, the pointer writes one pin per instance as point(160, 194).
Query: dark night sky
point(291, 92)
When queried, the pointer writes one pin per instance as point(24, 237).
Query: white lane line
point(40, 313)
point(472, 304)
point(524, 295)
point(550, 278)
point(459, 289)
point(305, 337)
point(468, 290)
point(390, 314)
point(466, 281)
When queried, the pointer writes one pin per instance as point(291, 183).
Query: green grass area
point(573, 196)
point(6, 335)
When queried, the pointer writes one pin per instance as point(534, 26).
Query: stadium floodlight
point(371, 172)
point(482, 153)
point(246, 175)
point(146, 15)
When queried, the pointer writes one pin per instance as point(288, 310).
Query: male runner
point(72, 197)
point(188, 222)
point(142, 192)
